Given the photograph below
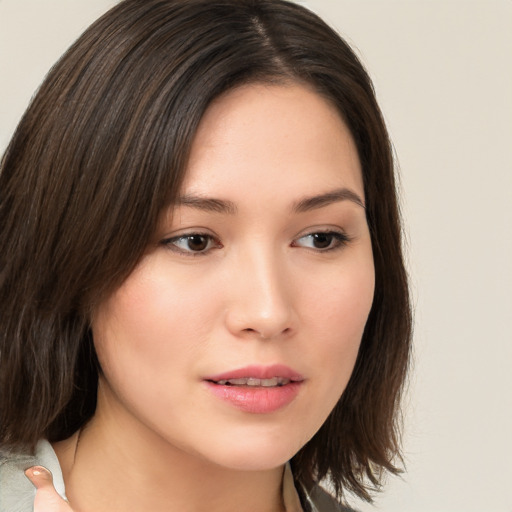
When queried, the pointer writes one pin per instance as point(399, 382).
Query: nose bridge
point(262, 302)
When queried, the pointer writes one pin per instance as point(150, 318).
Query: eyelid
point(169, 242)
point(342, 239)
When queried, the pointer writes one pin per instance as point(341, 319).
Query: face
point(236, 334)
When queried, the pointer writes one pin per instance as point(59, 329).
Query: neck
point(115, 464)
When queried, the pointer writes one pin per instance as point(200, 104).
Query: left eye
point(322, 241)
point(193, 243)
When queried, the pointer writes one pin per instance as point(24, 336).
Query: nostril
point(260, 334)
point(266, 335)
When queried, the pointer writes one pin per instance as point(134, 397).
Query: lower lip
point(258, 399)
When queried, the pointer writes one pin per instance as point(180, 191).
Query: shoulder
point(321, 501)
point(16, 491)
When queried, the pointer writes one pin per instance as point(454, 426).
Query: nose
point(261, 299)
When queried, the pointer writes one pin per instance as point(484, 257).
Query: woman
point(204, 304)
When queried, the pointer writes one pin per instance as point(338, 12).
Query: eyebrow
point(207, 204)
point(305, 204)
point(319, 201)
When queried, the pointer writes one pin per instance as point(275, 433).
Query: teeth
point(253, 382)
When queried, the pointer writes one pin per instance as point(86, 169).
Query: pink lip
point(258, 372)
point(257, 400)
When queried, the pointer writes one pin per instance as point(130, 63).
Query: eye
point(322, 241)
point(192, 243)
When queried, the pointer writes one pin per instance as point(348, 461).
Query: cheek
point(340, 301)
point(337, 312)
point(152, 315)
point(146, 340)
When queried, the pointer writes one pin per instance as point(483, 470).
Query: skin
point(261, 292)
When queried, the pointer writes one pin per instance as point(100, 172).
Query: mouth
point(254, 382)
point(255, 389)
point(276, 375)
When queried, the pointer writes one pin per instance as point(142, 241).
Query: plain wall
point(442, 71)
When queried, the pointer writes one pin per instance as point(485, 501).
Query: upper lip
point(258, 372)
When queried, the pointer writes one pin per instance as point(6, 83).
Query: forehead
point(262, 137)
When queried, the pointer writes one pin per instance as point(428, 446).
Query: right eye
point(192, 244)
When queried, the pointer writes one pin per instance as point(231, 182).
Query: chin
point(249, 461)
point(255, 452)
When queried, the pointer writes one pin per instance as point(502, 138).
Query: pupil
point(322, 240)
point(197, 242)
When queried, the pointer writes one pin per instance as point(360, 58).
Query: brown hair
point(103, 148)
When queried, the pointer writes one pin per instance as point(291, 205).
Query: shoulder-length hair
point(103, 148)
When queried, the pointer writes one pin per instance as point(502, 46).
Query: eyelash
point(212, 243)
point(338, 240)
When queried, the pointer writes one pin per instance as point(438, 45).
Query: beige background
point(443, 73)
